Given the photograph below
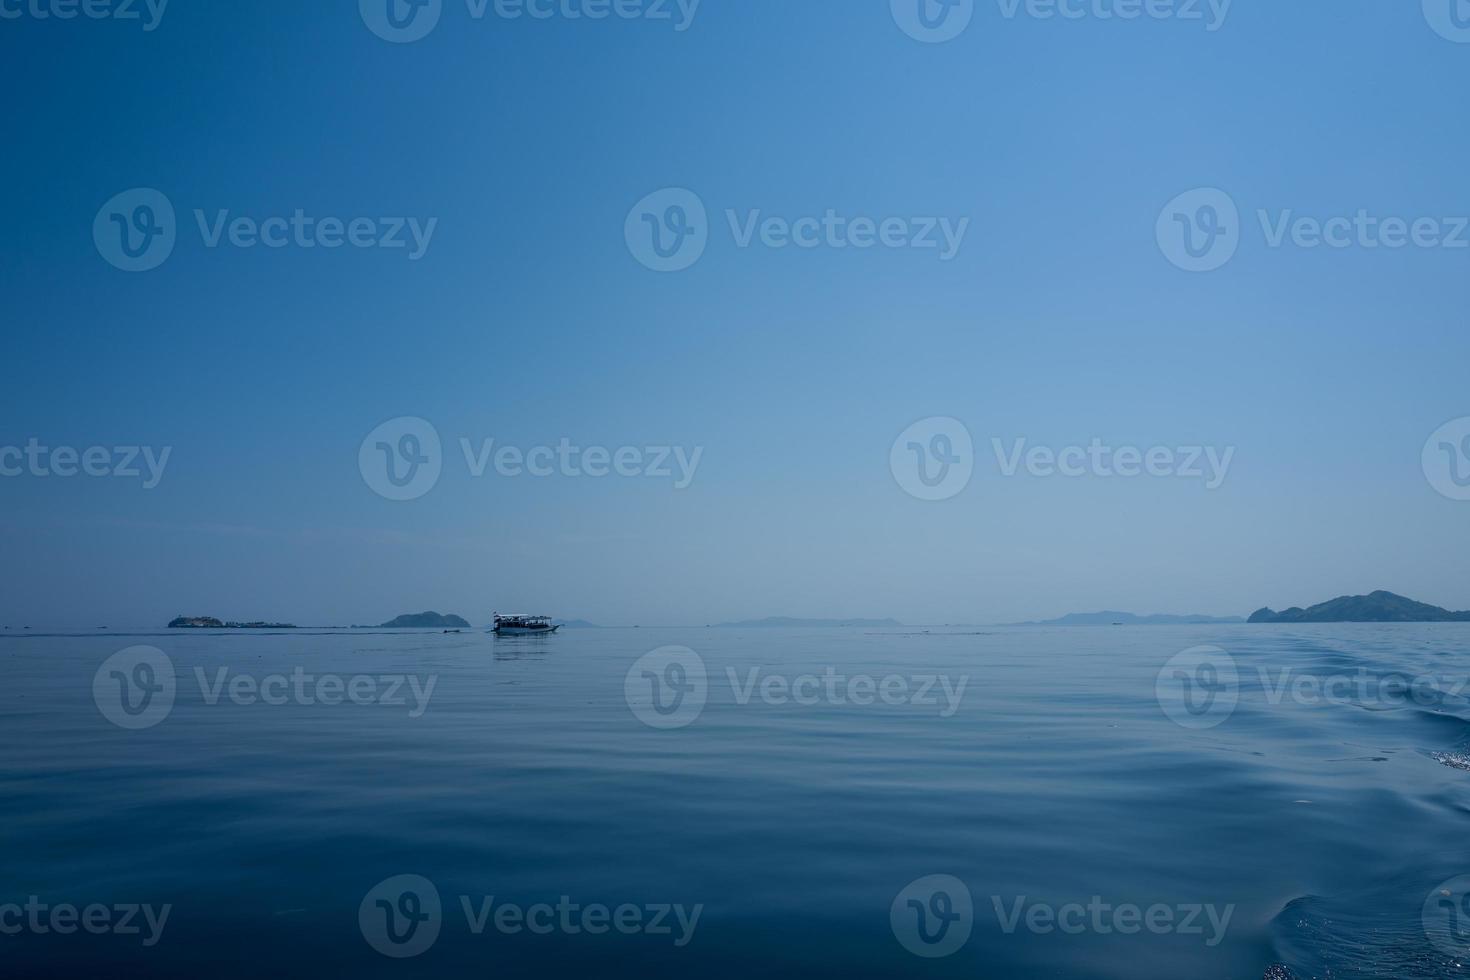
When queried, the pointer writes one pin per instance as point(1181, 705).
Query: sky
point(1127, 267)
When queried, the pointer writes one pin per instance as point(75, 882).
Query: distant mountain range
point(425, 620)
point(786, 621)
point(1377, 607)
point(1108, 618)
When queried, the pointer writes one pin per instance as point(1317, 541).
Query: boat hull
point(524, 631)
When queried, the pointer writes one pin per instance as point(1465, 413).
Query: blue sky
point(529, 320)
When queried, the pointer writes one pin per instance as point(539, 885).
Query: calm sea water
point(1283, 802)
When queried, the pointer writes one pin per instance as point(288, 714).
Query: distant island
point(210, 623)
point(425, 620)
point(1109, 618)
point(1378, 607)
point(789, 622)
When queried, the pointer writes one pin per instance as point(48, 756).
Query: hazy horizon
point(476, 619)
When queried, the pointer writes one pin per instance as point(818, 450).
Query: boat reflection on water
point(521, 637)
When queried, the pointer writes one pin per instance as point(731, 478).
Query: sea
point(1230, 801)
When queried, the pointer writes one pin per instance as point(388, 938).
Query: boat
point(521, 625)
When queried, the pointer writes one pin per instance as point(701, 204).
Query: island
point(210, 623)
point(1376, 607)
point(425, 620)
point(1110, 618)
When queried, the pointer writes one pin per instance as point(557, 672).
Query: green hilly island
point(1376, 607)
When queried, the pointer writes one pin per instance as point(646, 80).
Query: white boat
point(522, 625)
